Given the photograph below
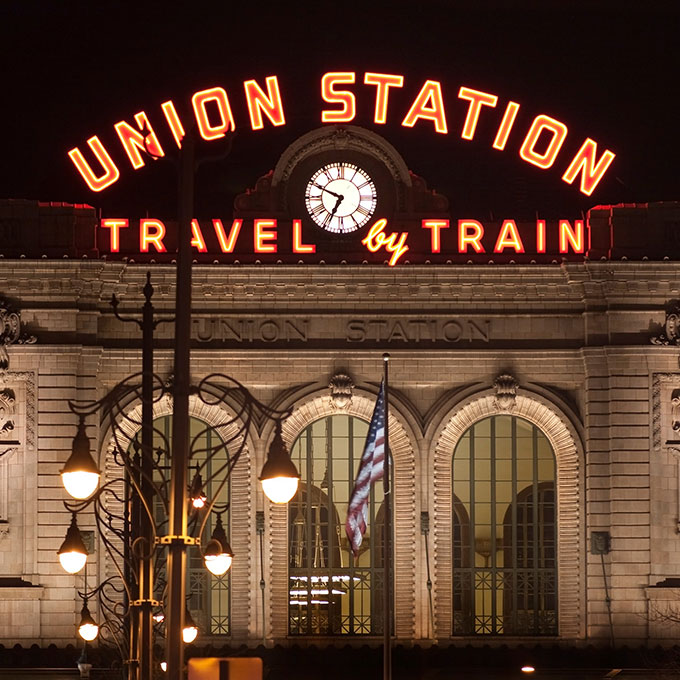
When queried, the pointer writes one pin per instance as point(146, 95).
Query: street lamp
point(80, 474)
point(87, 628)
point(131, 509)
point(190, 629)
point(218, 554)
point(279, 477)
point(73, 553)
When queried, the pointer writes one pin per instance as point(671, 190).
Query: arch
point(240, 532)
point(570, 508)
point(314, 407)
point(341, 137)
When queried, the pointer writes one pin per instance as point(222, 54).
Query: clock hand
point(328, 191)
point(337, 204)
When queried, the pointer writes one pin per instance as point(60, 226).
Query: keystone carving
point(341, 387)
point(506, 392)
point(671, 330)
point(10, 333)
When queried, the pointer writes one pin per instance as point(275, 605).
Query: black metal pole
point(146, 595)
point(176, 567)
point(387, 538)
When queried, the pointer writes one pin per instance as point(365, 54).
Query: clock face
point(340, 197)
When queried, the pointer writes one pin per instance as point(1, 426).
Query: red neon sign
point(541, 144)
point(266, 236)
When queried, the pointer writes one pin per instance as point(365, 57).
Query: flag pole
point(387, 538)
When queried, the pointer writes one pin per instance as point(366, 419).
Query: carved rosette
point(506, 392)
point(671, 331)
point(341, 387)
point(10, 333)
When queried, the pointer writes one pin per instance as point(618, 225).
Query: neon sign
point(541, 144)
point(256, 238)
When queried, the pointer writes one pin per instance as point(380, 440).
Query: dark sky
point(610, 71)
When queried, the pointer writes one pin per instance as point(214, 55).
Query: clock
point(340, 197)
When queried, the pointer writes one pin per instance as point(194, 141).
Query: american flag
point(371, 470)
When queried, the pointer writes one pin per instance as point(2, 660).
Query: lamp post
point(147, 484)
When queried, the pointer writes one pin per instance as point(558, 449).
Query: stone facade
point(574, 337)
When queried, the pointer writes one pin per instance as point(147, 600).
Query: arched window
point(504, 530)
point(331, 593)
point(208, 595)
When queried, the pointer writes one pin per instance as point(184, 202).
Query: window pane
point(330, 591)
point(504, 544)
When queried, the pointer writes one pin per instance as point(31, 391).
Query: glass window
point(331, 593)
point(504, 530)
point(208, 595)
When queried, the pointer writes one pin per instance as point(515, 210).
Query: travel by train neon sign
point(263, 238)
point(542, 142)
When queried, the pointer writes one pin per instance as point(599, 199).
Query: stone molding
point(570, 514)
point(403, 457)
point(22, 437)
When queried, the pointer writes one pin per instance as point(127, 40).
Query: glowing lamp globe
point(80, 475)
point(190, 630)
point(72, 562)
point(280, 489)
point(73, 553)
point(279, 475)
point(218, 554)
point(88, 628)
point(218, 564)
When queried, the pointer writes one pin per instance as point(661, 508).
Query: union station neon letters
point(541, 142)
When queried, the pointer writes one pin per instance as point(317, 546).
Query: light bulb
point(189, 634)
point(80, 484)
point(88, 631)
point(87, 628)
point(199, 502)
point(280, 489)
point(72, 562)
point(80, 474)
point(164, 666)
point(218, 564)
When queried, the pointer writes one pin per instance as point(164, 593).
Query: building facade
point(533, 436)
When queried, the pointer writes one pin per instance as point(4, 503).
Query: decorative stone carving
point(675, 410)
point(506, 392)
point(341, 387)
point(665, 410)
point(10, 333)
point(7, 404)
point(671, 331)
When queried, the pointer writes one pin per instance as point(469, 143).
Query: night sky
point(72, 70)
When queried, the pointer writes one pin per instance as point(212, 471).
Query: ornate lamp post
point(127, 599)
point(145, 481)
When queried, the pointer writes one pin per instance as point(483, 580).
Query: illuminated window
point(331, 593)
point(504, 530)
point(208, 594)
